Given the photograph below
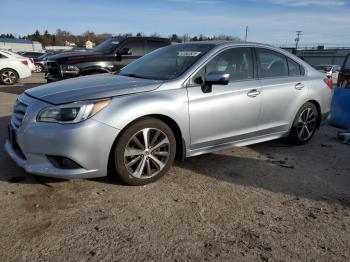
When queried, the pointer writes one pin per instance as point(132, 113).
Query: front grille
point(19, 112)
point(53, 68)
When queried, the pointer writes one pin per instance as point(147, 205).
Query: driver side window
point(238, 62)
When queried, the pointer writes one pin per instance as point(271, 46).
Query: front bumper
point(87, 143)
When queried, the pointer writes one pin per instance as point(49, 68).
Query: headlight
point(73, 112)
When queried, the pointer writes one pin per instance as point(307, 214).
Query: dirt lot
point(267, 202)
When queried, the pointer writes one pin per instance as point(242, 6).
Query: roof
point(16, 40)
point(226, 42)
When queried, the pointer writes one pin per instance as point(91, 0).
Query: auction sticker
point(188, 53)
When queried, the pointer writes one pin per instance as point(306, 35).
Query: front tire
point(304, 125)
point(144, 152)
point(8, 76)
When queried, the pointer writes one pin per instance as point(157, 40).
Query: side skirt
point(239, 143)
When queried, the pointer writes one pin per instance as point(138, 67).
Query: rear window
point(294, 68)
point(272, 64)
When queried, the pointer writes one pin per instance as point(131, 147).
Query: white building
point(16, 45)
point(89, 44)
point(67, 43)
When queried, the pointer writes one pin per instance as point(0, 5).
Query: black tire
point(120, 158)
point(8, 76)
point(303, 131)
point(39, 68)
point(345, 84)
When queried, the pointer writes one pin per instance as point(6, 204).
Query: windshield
point(44, 56)
point(167, 63)
point(107, 46)
point(347, 63)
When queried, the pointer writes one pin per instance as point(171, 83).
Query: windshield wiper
point(143, 77)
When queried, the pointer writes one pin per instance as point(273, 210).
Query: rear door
point(284, 88)
point(3, 61)
point(137, 49)
point(153, 44)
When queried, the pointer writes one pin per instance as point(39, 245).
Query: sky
point(274, 22)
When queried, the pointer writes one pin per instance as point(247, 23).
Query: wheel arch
point(14, 70)
point(6, 68)
point(318, 107)
point(180, 142)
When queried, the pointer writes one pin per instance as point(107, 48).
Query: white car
point(30, 61)
point(13, 67)
point(31, 64)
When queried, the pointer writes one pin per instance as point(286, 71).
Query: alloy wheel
point(38, 68)
point(306, 124)
point(8, 77)
point(146, 153)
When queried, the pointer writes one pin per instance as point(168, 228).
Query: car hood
point(76, 56)
point(91, 87)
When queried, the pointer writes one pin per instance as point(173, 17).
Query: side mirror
point(215, 78)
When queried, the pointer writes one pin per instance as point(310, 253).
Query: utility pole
point(297, 39)
point(246, 33)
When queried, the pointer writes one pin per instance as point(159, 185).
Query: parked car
point(109, 56)
point(344, 74)
point(179, 101)
point(41, 62)
point(30, 61)
point(331, 71)
point(30, 54)
point(13, 67)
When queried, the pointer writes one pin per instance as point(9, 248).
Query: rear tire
point(345, 84)
point(38, 68)
point(304, 125)
point(8, 76)
point(144, 152)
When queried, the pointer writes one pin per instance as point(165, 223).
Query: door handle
point(253, 93)
point(299, 86)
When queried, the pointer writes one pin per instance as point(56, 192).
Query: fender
point(127, 108)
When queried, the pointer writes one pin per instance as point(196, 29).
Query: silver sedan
point(176, 102)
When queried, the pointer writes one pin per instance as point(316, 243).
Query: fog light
point(63, 162)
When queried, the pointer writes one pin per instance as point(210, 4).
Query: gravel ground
point(267, 202)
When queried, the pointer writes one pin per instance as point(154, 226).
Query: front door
point(229, 112)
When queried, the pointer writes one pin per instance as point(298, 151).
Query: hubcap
point(37, 68)
point(306, 124)
point(8, 77)
point(146, 153)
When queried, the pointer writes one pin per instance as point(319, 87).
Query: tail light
point(329, 82)
point(24, 62)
